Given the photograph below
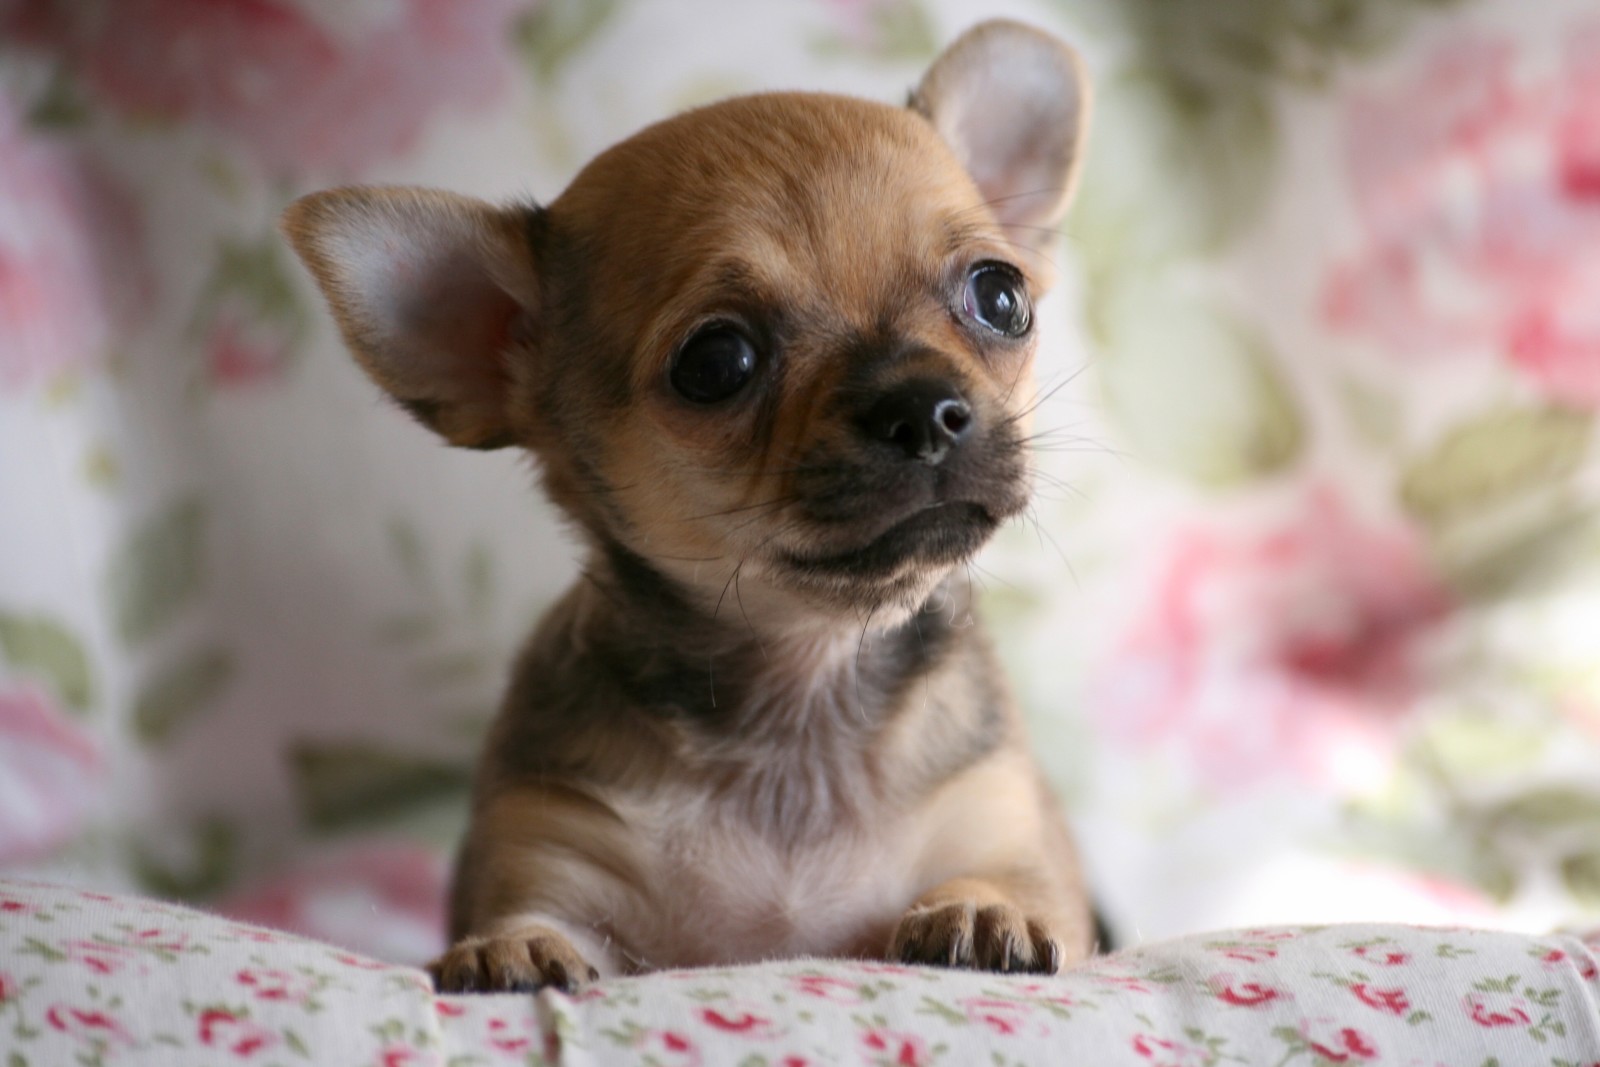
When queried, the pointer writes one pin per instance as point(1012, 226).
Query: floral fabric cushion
point(95, 979)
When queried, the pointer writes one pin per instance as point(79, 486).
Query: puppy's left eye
point(713, 365)
point(995, 297)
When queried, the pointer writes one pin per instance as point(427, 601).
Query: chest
point(721, 891)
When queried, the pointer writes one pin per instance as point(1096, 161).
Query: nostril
point(919, 419)
point(954, 417)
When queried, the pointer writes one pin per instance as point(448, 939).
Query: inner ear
point(1012, 102)
point(431, 292)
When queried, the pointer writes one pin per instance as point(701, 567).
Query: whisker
point(775, 502)
point(1039, 527)
point(1016, 381)
point(1058, 483)
point(739, 599)
point(987, 573)
point(1031, 408)
point(861, 705)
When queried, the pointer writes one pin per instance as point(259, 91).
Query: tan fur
point(752, 730)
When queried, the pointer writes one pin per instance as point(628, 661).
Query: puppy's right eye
point(713, 365)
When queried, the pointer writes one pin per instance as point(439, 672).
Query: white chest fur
point(720, 893)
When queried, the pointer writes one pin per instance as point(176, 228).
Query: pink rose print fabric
point(386, 897)
point(72, 265)
point(1478, 184)
point(50, 774)
point(1292, 647)
point(191, 988)
point(316, 89)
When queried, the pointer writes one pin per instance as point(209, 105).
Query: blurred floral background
point(1306, 618)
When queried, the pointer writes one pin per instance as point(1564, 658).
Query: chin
point(885, 579)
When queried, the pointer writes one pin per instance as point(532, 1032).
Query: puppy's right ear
point(431, 290)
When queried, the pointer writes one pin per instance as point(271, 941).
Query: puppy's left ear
point(1013, 103)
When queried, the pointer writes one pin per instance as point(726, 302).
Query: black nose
point(925, 419)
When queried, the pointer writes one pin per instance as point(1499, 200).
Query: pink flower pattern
point(1001, 1016)
point(829, 987)
point(362, 897)
point(1490, 1010)
point(1382, 955)
point(1338, 1043)
point(50, 772)
point(298, 92)
point(1286, 650)
point(87, 1025)
point(746, 1024)
point(72, 267)
point(1241, 994)
point(1168, 1052)
point(212, 994)
point(276, 984)
point(1393, 1001)
point(1478, 190)
point(220, 1028)
point(894, 1048)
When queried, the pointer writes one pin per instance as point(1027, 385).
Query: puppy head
point(784, 340)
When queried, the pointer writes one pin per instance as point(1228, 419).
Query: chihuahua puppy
point(772, 357)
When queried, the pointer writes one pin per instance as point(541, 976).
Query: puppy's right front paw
point(523, 961)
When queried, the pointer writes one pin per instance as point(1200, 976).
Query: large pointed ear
point(430, 290)
point(1013, 103)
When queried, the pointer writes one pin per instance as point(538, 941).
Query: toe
point(1000, 939)
point(1045, 949)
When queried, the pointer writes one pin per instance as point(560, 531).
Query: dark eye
point(713, 365)
point(995, 297)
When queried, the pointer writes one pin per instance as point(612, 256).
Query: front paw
point(993, 937)
point(522, 961)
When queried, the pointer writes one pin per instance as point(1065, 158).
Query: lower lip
point(945, 533)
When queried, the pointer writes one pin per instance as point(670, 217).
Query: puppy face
point(800, 343)
point(783, 341)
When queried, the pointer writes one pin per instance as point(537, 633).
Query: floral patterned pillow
point(95, 979)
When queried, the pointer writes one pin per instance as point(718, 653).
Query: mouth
point(942, 534)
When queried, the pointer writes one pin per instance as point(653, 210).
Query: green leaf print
point(341, 785)
point(215, 853)
point(1186, 137)
point(1494, 459)
point(1543, 551)
point(41, 647)
point(258, 273)
point(1548, 807)
point(1374, 415)
point(180, 692)
point(62, 105)
point(447, 631)
point(1148, 129)
point(1198, 392)
point(406, 547)
point(158, 572)
point(1580, 873)
point(549, 36)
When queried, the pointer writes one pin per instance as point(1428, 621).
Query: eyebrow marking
point(960, 235)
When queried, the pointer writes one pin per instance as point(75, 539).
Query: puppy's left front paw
point(993, 937)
